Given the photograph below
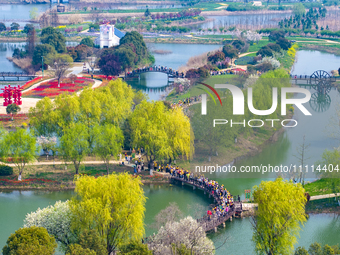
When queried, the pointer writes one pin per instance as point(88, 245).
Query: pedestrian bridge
point(171, 73)
point(209, 224)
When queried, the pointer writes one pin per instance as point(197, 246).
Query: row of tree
point(99, 121)
point(304, 20)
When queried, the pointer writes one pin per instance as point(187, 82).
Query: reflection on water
point(320, 102)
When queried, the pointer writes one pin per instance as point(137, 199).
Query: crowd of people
point(224, 200)
point(156, 69)
point(187, 102)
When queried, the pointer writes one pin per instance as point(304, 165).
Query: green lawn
point(257, 46)
point(286, 61)
point(321, 187)
point(195, 91)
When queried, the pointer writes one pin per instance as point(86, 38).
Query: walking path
point(323, 196)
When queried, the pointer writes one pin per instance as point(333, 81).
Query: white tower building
point(109, 36)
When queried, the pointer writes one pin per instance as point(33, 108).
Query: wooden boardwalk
point(209, 224)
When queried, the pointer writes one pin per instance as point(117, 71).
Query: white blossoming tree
point(252, 36)
point(275, 63)
point(48, 144)
point(185, 233)
point(56, 219)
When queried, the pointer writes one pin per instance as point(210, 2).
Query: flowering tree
point(56, 219)
point(253, 36)
point(186, 233)
point(47, 144)
point(274, 62)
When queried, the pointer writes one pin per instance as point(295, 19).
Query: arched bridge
point(171, 73)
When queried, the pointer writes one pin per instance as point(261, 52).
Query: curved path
point(206, 223)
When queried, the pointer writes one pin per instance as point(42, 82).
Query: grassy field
point(319, 187)
point(57, 177)
point(257, 46)
point(195, 91)
point(286, 61)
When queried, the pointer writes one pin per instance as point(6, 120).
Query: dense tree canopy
point(42, 50)
point(281, 211)
point(2, 27)
point(30, 241)
point(229, 51)
point(131, 52)
point(53, 37)
point(163, 133)
point(87, 41)
point(113, 205)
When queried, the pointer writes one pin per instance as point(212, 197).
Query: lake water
point(16, 204)
point(19, 13)
point(308, 61)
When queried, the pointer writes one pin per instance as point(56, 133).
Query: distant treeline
point(300, 31)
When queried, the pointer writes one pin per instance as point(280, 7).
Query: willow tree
point(116, 101)
point(67, 111)
point(43, 118)
point(280, 214)
point(74, 144)
point(162, 132)
point(89, 111)
point(108, 141)
point(19, 145)
point(113, 205)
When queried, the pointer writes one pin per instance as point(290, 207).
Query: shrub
point(30, 241)
point(5, 170)
point(244, 60)
point(284, 43)
point(274, 47)
point(265, 51)
point(264, 67)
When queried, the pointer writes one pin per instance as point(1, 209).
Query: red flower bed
point(34, 81)
point(51, 89)
point(105, 79)
point(13, 181)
